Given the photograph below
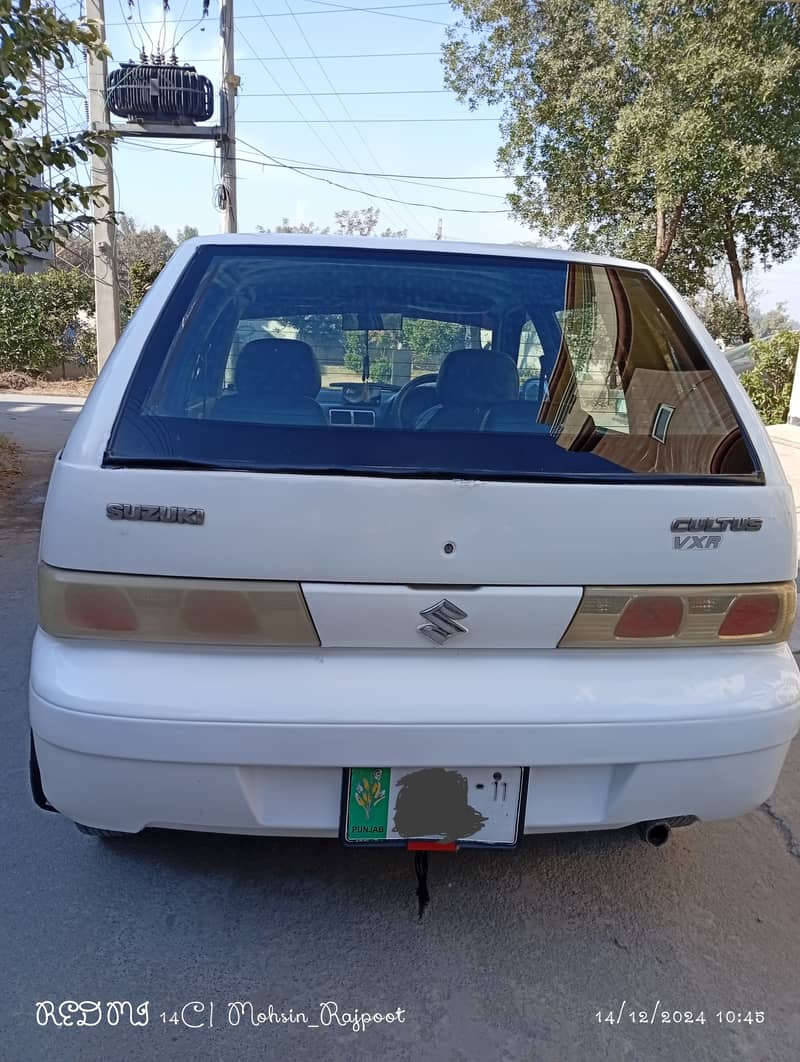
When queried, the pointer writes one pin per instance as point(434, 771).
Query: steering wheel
point(410, 401)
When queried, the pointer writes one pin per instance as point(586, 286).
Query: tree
point(667, 132)
point(152, 246)
point(766, 323)
point(307, 228)
point(348, 223)
point(363, 223)
point(145, 250)
point(721, 315)
point(188, 232)
point(32, 34)
point(769, 382)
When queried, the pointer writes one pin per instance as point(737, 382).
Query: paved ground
point(514, 960)
point(38, 422)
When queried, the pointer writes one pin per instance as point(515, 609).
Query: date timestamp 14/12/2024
point(629, 1014)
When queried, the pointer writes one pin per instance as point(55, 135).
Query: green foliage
point(347, 223)
point(140, 276)
point(187, 232)
point(32, 34)
point(663, 132)
point(362, 223)
point(721, 315)
point(380, 358)
point(141, 253)
point(427, 340)
point(766, 323)
point(769, 382)
point(43, 318)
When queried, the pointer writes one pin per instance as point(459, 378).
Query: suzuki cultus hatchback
point(412, 544)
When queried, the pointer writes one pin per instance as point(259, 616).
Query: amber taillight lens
point(682, 616)
point(148, 608)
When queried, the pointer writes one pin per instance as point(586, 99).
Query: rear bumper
point(254, 742)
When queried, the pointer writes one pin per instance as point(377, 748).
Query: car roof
point(504, 250)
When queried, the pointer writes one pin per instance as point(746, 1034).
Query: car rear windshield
point(395, 362)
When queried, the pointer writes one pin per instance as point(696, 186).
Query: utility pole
point(229, 84)
point(106, 281)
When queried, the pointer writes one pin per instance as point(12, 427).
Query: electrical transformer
point(145, 92)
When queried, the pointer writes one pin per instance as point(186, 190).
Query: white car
point(318, 559)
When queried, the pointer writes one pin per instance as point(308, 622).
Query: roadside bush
point(45, 318)
point(769, 382)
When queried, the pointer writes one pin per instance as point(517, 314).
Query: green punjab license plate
point(462, 805)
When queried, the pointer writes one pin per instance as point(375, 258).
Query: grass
point(10, 462)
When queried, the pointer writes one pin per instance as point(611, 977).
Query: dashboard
point(355, 404)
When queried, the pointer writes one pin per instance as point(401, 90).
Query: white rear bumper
point(254, 742)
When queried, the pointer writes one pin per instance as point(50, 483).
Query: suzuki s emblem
point(442, 621)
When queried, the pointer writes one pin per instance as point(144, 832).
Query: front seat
point(469, 382)
point(277, 382)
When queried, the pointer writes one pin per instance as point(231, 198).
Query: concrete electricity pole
point(106, 282)
point(229, 84)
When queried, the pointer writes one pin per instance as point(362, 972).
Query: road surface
point(521, 956)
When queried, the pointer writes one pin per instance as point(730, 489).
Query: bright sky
point(359, 105)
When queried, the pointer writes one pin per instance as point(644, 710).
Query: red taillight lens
point(98, 609)
point(650, 617)
point(183, 611)
point(754, 615)
point(644, 616)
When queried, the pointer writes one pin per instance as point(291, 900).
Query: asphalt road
point(513, 961)
point(39, 423)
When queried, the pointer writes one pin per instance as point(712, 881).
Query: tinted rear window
point(418, 363)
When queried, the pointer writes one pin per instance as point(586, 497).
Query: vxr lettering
point(696, 541)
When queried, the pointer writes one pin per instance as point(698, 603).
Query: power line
point(360, 121)
point(320, 108)
point(337, 55)
point(144, 29)
point(386, 11)
point(343, 105)
point(410, 177)
point(289, 100)
point(295, 169)
point(137, 45)
point(297, 109)
point(178, 20)
point(388, 199)
point(368, 92)
point(405, 176)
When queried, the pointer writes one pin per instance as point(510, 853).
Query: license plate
point(467, 806)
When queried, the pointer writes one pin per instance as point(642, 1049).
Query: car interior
point(593, 359)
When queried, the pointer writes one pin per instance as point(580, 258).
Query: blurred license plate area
point(470, 806)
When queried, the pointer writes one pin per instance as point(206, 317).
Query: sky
point(333, 84)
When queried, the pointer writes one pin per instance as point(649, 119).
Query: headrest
point(519, 417)
point(473, 377)
point(278, 368)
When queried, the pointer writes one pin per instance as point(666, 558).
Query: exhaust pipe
point(655, 833)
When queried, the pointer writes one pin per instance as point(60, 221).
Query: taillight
point(682, 616)
point(650, 617)
point(164, 609)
